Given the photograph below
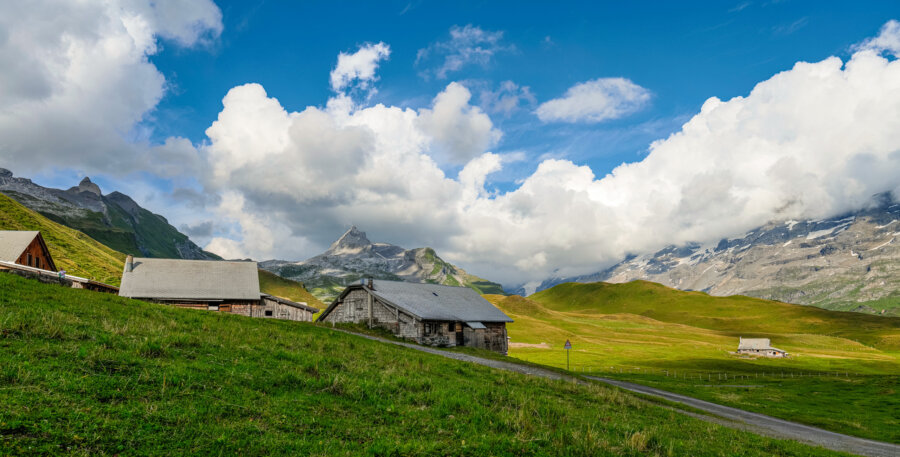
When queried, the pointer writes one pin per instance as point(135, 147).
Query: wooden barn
point(222, 286)
point(25, 253)
point(25, 248)
point(759, 346)
point(430, 314)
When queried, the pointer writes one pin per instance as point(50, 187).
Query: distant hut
point(223, 286)
point(25, 253)
point(759, 346)
point(430, 314)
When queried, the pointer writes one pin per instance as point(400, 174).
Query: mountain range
point(114, 219)
point(353, 258)
point(849, 262)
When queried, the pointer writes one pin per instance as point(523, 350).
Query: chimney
point(371, 284)
point(129, 263)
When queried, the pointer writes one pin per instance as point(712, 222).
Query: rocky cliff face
point(353, 258)
point(114, 220)
point(850, 262)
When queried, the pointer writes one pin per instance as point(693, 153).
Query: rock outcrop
point(849, 262)
point(115, 220)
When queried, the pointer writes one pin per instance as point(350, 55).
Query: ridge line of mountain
point(353, 257)
point(849, 262)
point(114, 219)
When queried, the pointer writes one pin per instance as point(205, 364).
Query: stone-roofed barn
point(214, 285)
point(759, 346)
point(430, 314)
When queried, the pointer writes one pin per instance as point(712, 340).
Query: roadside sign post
point(568, 347)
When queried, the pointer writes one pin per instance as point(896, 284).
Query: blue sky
point(520, 139)
point(682, 53)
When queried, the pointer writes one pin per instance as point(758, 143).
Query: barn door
point(460, 340)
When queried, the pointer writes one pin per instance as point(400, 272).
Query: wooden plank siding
point(37, 255)
point(267, 308)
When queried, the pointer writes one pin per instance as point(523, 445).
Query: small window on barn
point(29, 260)
point(268, 312)
point(212, 307)
point(37, 262)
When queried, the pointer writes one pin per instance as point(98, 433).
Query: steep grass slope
point(273, 284)
point(72, 250)
point(94, 374)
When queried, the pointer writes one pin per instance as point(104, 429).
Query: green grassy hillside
point(72, 250)
point(273, 284)
point(648, 333)
point(140, 233)
point(443, 272)
point(83, 373)
point(737, 315)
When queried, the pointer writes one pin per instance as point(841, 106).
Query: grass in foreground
point(93, 374)
point(636, 331)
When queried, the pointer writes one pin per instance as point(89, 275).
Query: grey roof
point(756, 344)
point(435, 302)
point(14, 242)
point(191, 279)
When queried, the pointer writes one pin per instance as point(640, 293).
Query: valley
point(841, 365)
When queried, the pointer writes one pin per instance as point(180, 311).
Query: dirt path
point(723, 415)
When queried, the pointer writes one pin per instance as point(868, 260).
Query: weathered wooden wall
point(278, 310)
point(36, 256)
point(355, 309)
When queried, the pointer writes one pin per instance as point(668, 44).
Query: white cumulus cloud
point(76, 79)
point(459, 130)
point(812, 141)
point(358, 67)
point(888, 39)
point(595, 101)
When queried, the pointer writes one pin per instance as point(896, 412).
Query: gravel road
point(722, 415)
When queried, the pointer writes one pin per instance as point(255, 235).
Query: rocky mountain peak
point(352, 240)
point(4, 173)
point(86, 186)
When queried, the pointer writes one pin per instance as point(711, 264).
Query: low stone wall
point(46, 279)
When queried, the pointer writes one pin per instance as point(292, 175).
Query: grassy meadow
point(84, 373)
point(843, 373)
